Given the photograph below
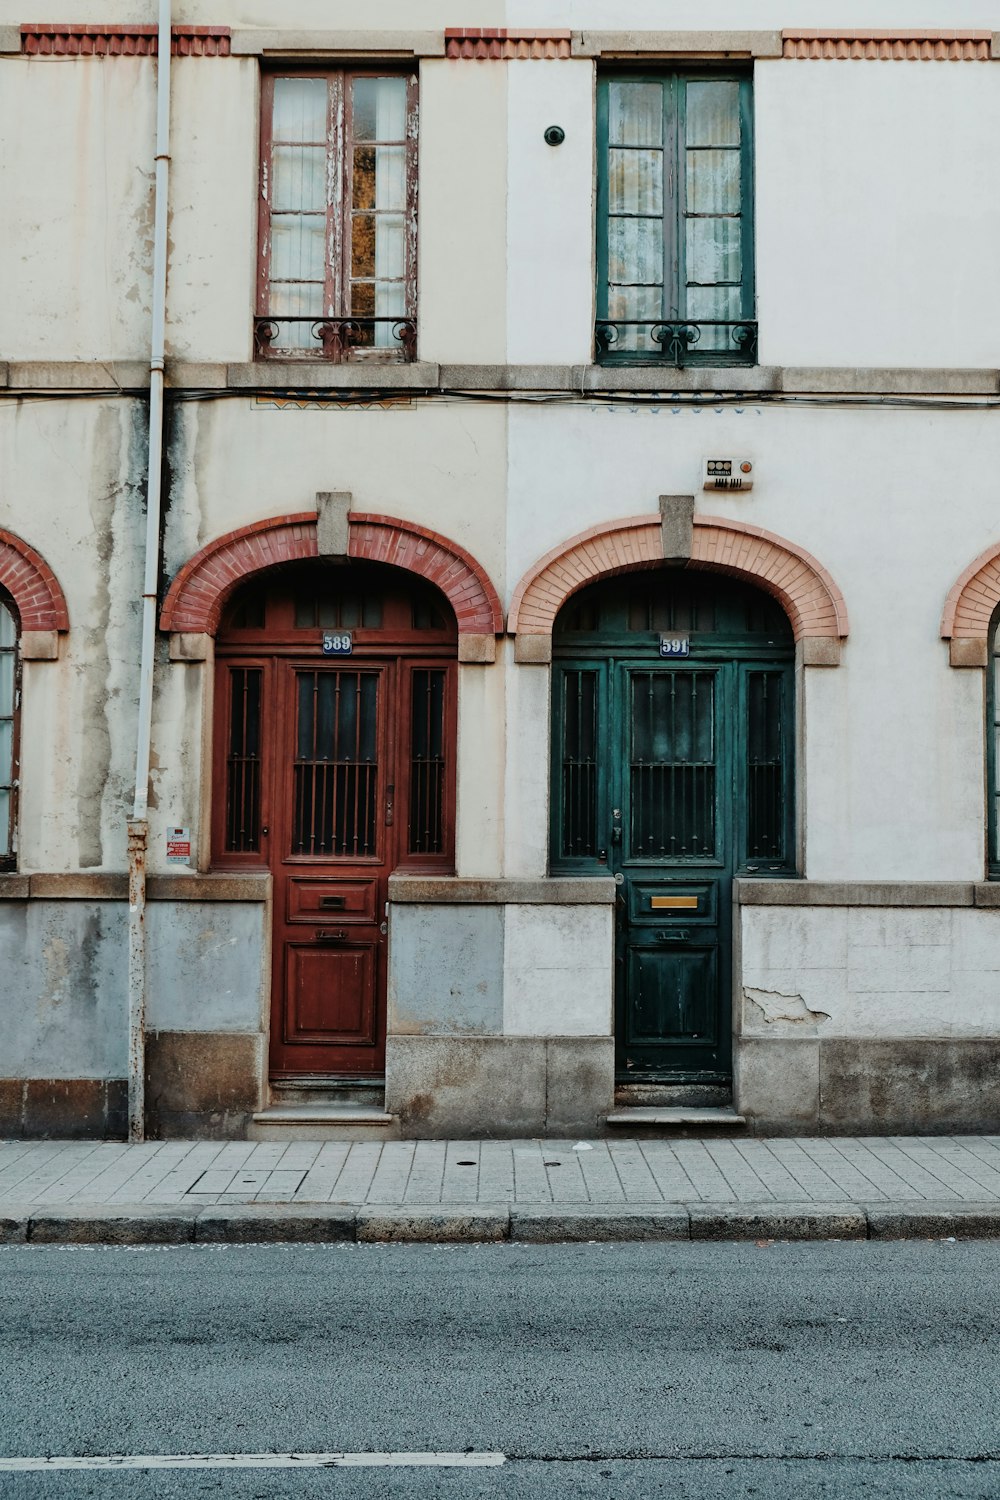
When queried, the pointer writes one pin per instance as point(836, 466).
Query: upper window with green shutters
point(675, 219)
point(338, 213)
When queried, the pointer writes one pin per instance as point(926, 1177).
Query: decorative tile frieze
point(75, 39)
point(888, 46)
point(498, 44)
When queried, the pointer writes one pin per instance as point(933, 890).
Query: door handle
point(330, 935)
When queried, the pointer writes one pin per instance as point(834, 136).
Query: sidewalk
point(534, 1190)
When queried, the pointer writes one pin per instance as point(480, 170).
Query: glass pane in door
point(427, 762)
point(765, 769)
point(243, 761)
point(579, 766)
point(672, 765)
point(335, 775)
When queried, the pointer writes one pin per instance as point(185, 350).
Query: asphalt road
point(626, 1371)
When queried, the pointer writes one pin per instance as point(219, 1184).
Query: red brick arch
point(31, 583)
point(970, 607)
point(804, 589)
point(196, 598)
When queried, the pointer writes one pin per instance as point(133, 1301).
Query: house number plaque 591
point(675, 645)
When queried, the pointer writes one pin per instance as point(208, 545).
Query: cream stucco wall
point(875, 238)
point(550, 206)
point(212, 252)
point(76, 187)
point(641, 14)
point(852, 971)
point(439, 463)
point(70, 485)
point(893, 779)
point(462, 212)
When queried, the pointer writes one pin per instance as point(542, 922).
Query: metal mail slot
point(674, 903)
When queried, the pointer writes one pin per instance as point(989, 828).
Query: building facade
point(574, 684)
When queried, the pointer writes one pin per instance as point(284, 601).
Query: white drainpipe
point(138, 826)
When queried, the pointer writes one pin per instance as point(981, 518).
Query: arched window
point(9, 701)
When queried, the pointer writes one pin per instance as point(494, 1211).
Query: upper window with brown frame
point(338, 216)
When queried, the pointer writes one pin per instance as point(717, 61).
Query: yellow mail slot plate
point(685, 903)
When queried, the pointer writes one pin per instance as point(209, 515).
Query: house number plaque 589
point(337, 643)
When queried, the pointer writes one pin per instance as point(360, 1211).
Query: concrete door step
point(677, 1117)
point(326, 1121)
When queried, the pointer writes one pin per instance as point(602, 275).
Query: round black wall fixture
point(555, 135)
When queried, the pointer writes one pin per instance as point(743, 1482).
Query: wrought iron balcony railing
point(676, 341)
point(335, 339)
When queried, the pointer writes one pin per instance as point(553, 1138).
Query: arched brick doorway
point(673, 770)
point(334, 765)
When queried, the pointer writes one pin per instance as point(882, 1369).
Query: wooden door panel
point(335, 842)
point(672, 995)
point(315, 899)
point(329, 995)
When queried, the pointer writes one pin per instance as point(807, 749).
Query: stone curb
point(434, 1225)
point(272, 1223)
point(546, 1223)
point(779, 1221)
point(543, 1223)
point(97, 1224)
point(933, 1221)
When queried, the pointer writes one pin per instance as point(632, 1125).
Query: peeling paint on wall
point(772, 1007)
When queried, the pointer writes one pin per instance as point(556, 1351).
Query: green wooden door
point(673, 775)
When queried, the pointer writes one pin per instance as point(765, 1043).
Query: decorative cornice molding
point(888, 46)
point(498, 44)
point(75, 39)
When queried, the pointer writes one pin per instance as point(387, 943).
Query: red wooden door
point(333, 773)
point(335, 848)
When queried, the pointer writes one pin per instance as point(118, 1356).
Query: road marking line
point(258, 1461)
